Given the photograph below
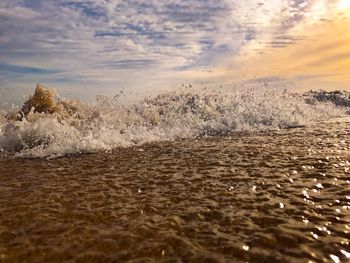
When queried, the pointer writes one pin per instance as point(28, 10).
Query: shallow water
point(272, 196)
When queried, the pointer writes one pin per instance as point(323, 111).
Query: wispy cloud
point(6, 68)
point(107, 41)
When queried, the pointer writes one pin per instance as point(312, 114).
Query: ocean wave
point(48, 126)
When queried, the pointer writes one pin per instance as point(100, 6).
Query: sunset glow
point(97, 47)
point(344, 4)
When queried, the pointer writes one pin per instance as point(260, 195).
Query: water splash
point(50, 126)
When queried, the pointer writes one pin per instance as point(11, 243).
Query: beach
point(174, 131)
point(257, 196)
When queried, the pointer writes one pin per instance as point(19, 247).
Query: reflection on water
point(261, 197)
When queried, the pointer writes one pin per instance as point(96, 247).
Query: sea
point(186, 176)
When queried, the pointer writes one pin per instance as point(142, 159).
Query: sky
point(84, 48)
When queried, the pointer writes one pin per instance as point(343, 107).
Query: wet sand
point(281, 196)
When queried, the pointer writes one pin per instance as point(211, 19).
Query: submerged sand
point(272, 196)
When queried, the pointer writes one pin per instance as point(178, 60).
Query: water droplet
point(245, 247)
point(334, 258)
point(306, 194)
point(305, 221)
point(281, 205)
point(319, 185)
point(344, 242)
point(345, 253)
point(315, 236)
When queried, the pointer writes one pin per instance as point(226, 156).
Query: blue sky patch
point(25, 70)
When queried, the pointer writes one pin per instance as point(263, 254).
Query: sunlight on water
point(195, 176)
point(267, 196)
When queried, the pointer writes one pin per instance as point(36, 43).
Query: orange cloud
point(319, 59)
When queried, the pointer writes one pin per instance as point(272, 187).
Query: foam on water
point(70, 127)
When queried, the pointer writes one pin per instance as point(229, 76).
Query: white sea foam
point(169, 116)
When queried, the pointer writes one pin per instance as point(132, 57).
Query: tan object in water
point(43, 100)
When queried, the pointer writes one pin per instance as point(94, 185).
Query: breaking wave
point(64, 126)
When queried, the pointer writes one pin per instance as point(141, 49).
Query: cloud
point(318, 59)
point(131, 63)
point(86, 34)
point(109, 41)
